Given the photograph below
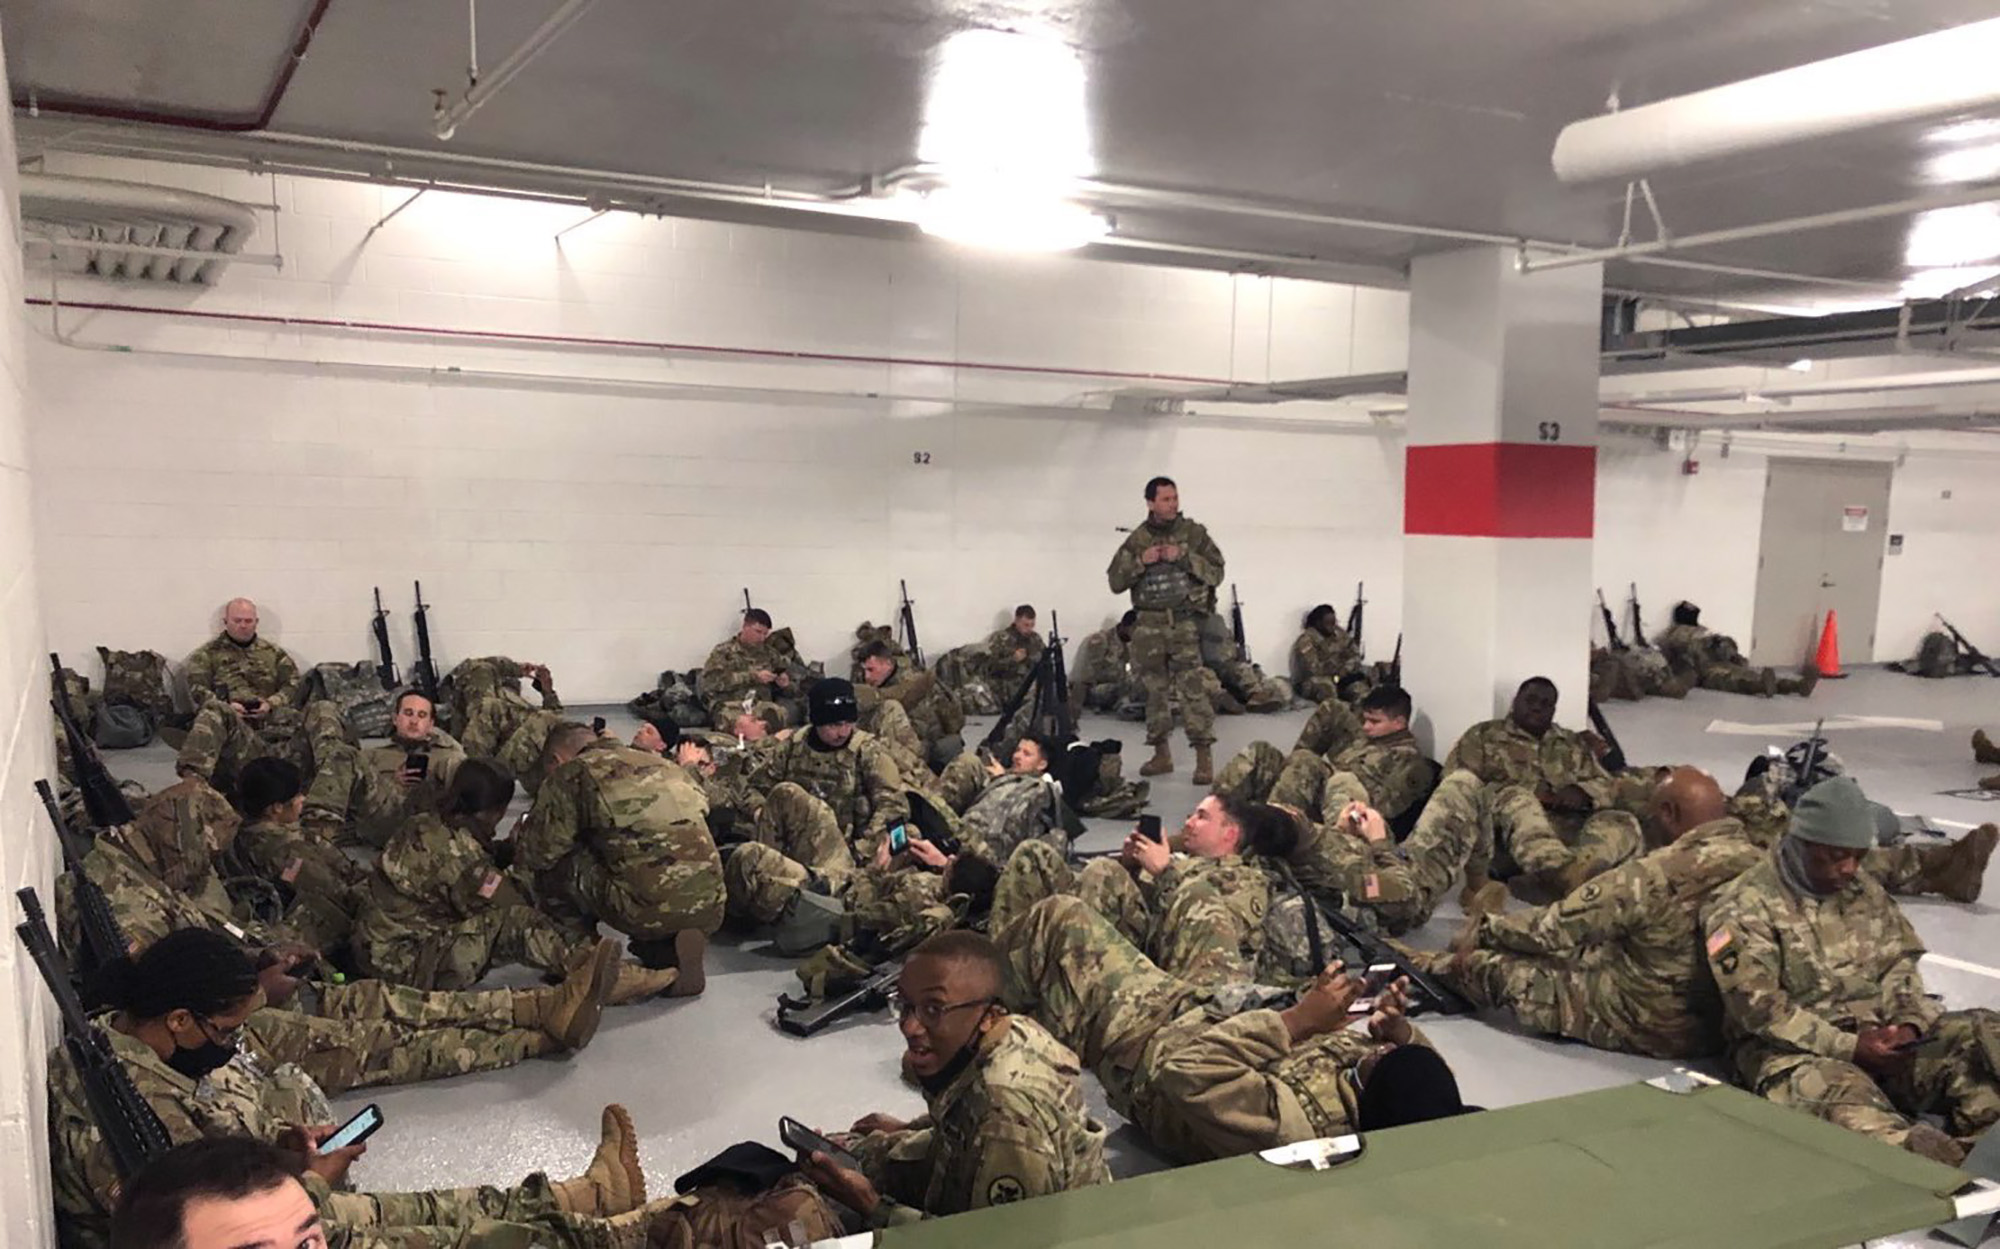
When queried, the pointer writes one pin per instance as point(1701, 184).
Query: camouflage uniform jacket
point(1500, 753)
point(1217, 1088)
point(431, 875)
point(731, 672)
point(1012, 1126)
point(1004, 673)
point(1693, 649)
point(1103, 659)
point(238, 1099)
point(1801, 975)
point(221, 670)
point(1188, 583)
point(643, 817)
point(1392, 768)
point(1315, 654)
point(477, 680)
point(378, 803)
point(933, 712)
point(1644, 916)
point(1234, 895)
point(860, 782)
point(147, 909)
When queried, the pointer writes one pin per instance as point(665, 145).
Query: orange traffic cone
point(1828, 658)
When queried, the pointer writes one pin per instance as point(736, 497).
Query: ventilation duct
point(130, 230)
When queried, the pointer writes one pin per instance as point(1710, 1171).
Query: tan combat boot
point(1489, 898)
point(1983, 749)
point(1204, 765)
point(635, 982)
point(1933, 1143)
point(1958, 871)
point(1161, 763)
point(613, 1183)
point(570, 1012)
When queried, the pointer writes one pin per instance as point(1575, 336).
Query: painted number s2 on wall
point(920, 457)
point(1549, 431)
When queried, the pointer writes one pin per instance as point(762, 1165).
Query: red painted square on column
point(1500, 490)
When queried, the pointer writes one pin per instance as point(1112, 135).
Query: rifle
point(908, 619)
point(1355, 618)
point(425, 675)
point(1978, 659)
point(1614, 758)
point(385, 672)
point(104, 941)
point(1396, 664)
point(1049, 680)
point(132, 1132)
point(1427, 993)
point(747, 609)
point(103, 802)
point(803, 1017)
point(1236, 624)
point(1638, 625)
point(1610, 624)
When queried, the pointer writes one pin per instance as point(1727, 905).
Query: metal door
point(1825, 525)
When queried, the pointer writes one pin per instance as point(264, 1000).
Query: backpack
point(120, 726)
point(365, 707)
point(1937, 656)
point(728, 1203)
point(672, 701)
point(1013, 809)
point(137, 679)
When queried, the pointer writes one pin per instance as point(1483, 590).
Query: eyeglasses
point(930, 1014)
point(230, 1039)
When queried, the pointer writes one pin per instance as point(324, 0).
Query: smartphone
point(1149, 828)
point(355, 1130)
point(1905, 1047)
point(597, 724)
point(252, 704)
point(419, 764)
point(985, 754)
point(1378, 977)
point(899, 839)
point(802, 1139)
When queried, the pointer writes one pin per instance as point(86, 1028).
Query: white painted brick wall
point(607, 530)
point(26, 842)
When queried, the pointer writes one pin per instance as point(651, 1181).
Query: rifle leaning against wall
point(1975, 657)
point(104, 804)
point(906, 617)
point(425, 675)
point(385, 672)
point(132, 1132)
point(1614, 757)
point(1236, 625)
point(103, 940)
point(1355, 618)
point(1610, 625)
point(1638, 624)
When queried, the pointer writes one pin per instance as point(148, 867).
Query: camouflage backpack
point(867, 632)
point(729, 1215)
point(672, 701)
point(1113, 797)
point(365, 707)
point(1289, 922)
point(77, 696)
point(1937, 656)
point(137, 679)
point(1016, 808)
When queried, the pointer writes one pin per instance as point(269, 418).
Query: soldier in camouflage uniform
point(1713, 662)
point(1383, 766)
point(750, 671)
point(1823, 1006)
point(245, 692)
point(495, 721)
point(367, 792)
point(275, 845)
point(1322, 655)
point(1201, 1076)
point(1582, 834)
point(1008, 655)
point(1004, 1119)
point(1199, 915)
point(866, 634)
point(935, 715)
point(620, 835)
point(1171, 567)
point(848, 769)
point(1102, 679)
point(1243, 682)
point(1617, 964)
point(183, 1010)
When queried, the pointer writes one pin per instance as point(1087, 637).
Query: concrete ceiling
point(1440, 112)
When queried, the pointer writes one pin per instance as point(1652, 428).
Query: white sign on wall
point(1854, 519)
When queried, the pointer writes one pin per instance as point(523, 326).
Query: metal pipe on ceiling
point(1946, 380)
point(1939, 75)
point(480, 90)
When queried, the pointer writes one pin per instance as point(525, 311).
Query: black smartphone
point(597, 724)
point(418, 764)
point(252, 704)
point(1378, 977)
point(803, 1140)
point(1904, 1047)
point(355, 1130)
point(899, 839)
point(1149, 828)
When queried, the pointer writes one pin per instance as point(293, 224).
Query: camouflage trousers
point(961, 782)
point(1956, 1074)
point(1166, 657)
point(326, 886)
point(369, 1034)
point(1453, 837)
point(1194, 939)
point(457, 955)
point(1589, 998)
point(1303, 780)
point(1541, 842)
point(1331, 728)
point(1319, 689)
point(220, 743)
point(581, 891)
point(526, 1216)
point(1084, 980)
point(796, 838)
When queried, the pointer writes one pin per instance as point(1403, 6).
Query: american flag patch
point(1718, 941)
point(1371, 886)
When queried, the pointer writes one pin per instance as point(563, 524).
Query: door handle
point(1824, 584)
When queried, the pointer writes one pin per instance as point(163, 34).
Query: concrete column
point(1499, 481)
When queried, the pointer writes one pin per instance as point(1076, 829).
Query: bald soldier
point(1005, 1119)
point(1823, 1006)
point(1618, 963)
point(1582, 834)
point(245, 692)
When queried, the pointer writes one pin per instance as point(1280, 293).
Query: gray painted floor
point(702, 1074)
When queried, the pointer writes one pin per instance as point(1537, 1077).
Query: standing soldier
point(1171, 566)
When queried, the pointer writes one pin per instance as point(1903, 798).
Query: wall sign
point(1854, 519)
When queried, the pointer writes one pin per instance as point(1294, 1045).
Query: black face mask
point(209, 1056)
point(933, 1085)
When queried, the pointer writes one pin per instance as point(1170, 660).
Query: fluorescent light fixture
point(1006, 135)
point(1947, 237)
point(1977, 130)
point(1975, 163)
point(1937, 283)
point(1800, 366)
point(1008, 221)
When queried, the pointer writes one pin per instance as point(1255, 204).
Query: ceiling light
point(1800, 366)
point(1978, 130)
point(1963, 164)
point(1946, 237)
point(1937, 283)
point(1009, 103)
point(1008, 221)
